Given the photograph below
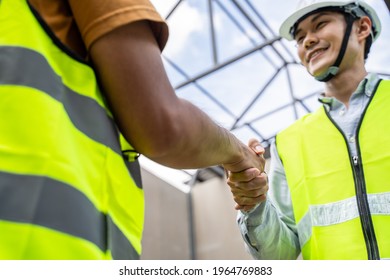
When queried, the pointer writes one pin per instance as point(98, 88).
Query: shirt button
point(352, 139)
point(342, 112)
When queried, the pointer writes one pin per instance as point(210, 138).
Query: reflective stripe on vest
point(339, 212)
point(35, 72)
point(329, 190)
point(65, 189)
point(46, 203)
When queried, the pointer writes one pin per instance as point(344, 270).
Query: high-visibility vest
point(341, 203)
point(67, 188)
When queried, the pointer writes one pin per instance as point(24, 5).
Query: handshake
point(247, 179)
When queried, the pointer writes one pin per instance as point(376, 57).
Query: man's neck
point(344, 84)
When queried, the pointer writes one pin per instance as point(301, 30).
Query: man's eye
point(300, 40)
point(321, 24)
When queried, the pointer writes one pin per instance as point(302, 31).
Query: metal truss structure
point(231, 63)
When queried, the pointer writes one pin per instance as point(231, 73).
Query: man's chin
point(317, 73)
point(319, 69)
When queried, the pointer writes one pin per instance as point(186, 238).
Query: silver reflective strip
point(379, 203)
point(20, 66)
point(120, 247)
point(334, 213)
point(25, 67)
point(53, 204)
point(339, 212)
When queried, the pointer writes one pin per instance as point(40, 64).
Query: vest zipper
point(364, 211)
point(361, 194)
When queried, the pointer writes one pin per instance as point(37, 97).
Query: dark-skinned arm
point(159, 125)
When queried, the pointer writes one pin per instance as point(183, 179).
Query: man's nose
point(310, 40)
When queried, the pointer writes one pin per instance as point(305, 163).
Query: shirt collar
point(366, 86)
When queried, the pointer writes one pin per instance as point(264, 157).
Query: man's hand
point(249, 187)
point(252, 156)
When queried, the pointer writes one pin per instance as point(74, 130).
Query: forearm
point(194, 141)
point(266, 236)
point(158, 124)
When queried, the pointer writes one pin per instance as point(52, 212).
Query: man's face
point(319, 38)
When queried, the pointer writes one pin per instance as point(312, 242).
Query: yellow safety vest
point(67, 189)
point(341, 203)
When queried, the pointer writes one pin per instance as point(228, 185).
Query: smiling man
point(329, 185)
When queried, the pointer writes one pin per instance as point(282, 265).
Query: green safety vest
point(67, 188)
point(341, 203)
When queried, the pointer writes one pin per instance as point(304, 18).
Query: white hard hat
point(357, 8)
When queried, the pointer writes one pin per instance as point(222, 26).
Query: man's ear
point(364, 27)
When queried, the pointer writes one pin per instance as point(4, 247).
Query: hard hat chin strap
point(334, 69)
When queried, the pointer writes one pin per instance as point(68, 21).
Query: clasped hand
point(249, 187)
